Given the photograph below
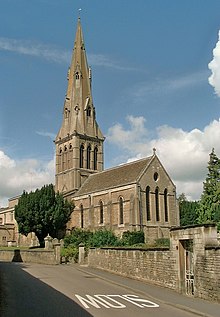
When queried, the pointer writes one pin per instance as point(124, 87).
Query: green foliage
point(101, 238)
point(188, 211)
point(209, 206)
point(162, 242)
point(70, 251)
point(77, 237)
point(42, 212)
point(130, 238)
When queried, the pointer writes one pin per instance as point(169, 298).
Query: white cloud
point(31, 48)
point(164, 86)
point(184, 154)
point(214, 66)
point(50, 135)
point(17, 176)
point(53, 54)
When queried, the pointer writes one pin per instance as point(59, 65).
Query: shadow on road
point(23, 295)
point(17, 256)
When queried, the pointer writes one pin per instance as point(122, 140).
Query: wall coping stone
point(206, 225)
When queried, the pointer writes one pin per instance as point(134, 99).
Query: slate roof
point(114, 177)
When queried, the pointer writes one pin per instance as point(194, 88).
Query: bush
point(70, 252)
point(132, 238)
point(103, 238)
point(78, 236)
point(162, 242)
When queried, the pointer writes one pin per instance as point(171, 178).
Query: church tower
point(79, 142)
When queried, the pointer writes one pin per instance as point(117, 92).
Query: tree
point(188, 211)
point(209, 206)
point(42, 212)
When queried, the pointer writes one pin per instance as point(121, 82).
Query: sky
point(156, 84)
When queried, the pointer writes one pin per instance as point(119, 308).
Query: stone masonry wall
point(207, 274)
point(157, 267)
point(29, 256)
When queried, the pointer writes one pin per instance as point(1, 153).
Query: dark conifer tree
point(209, 206)
point(43, 212)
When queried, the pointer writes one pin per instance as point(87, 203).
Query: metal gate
point(186, 266)
point(189, 269)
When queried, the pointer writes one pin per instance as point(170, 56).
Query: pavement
point(166, 296)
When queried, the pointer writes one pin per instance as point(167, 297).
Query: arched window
point(166, 205)
point(101, 216)
point(81, 156)
point(157, 207)
point(95, 158)
point(81, 216)
point(148, 202)
point(121, 211)
point(88, 157)
point(77, 75)
point(88, 111)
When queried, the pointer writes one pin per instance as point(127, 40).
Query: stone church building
point(134, 196)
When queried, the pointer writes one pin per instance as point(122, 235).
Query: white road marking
point(109, 301)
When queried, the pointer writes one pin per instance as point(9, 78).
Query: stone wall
point(29, 256)
point(207, 274)
point(191, 266)
point(157, 267)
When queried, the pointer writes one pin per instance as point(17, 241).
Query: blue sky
point(156, 83)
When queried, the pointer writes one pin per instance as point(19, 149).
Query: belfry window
point(88, 111)
point(148, 202)
point(77, 75)
point(101, 216)
point(81, 156)
point(157, 207)
point(165, 205)
point(95, 158)
point(121, 211)
point(88, 158)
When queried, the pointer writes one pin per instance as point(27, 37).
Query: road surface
point(32, 290)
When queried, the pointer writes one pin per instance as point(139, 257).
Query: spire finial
point(79, 11)
point(154, 151)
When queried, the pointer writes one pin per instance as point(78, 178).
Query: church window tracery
point(77, 75)
point(88, 111)
point(121, 211)
point(95, 158)
point(166, 205)
point(148, 203)
point(157, 207)
point(81, 156)
point(101, 215)
point(82, 216)
point(88, 157)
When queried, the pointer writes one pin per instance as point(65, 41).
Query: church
point(134, 196)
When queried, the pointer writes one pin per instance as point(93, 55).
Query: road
point(31, 290)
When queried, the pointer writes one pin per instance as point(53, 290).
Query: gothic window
point(95, 158)
point(157, 207)
point(60, 150)
point(148, 202)
point(121, 211)
point(81, 156)
point(77, 75)
point(88, 157)
point(101, 218)
point(81, 216)
point(165, 205)
point(70, 146)
point(88, 111)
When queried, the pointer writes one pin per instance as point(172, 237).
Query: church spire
point(79, 129)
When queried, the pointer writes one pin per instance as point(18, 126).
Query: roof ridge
point(124, 164)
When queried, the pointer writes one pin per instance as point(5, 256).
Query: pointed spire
point(78, 105)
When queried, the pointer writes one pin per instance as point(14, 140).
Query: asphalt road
point(31, 290)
